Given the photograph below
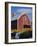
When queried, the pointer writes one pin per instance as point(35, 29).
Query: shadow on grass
point(23, 35)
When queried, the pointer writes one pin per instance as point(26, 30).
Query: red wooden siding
point(23, 20)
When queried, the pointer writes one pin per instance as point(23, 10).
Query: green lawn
point(23, 30)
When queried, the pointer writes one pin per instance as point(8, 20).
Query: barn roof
point(17, 16)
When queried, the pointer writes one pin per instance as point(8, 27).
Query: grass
point(23, 35)
point(23, 30)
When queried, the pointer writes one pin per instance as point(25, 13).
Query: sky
point(18, 10)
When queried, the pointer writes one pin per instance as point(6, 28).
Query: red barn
point(22, 21)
